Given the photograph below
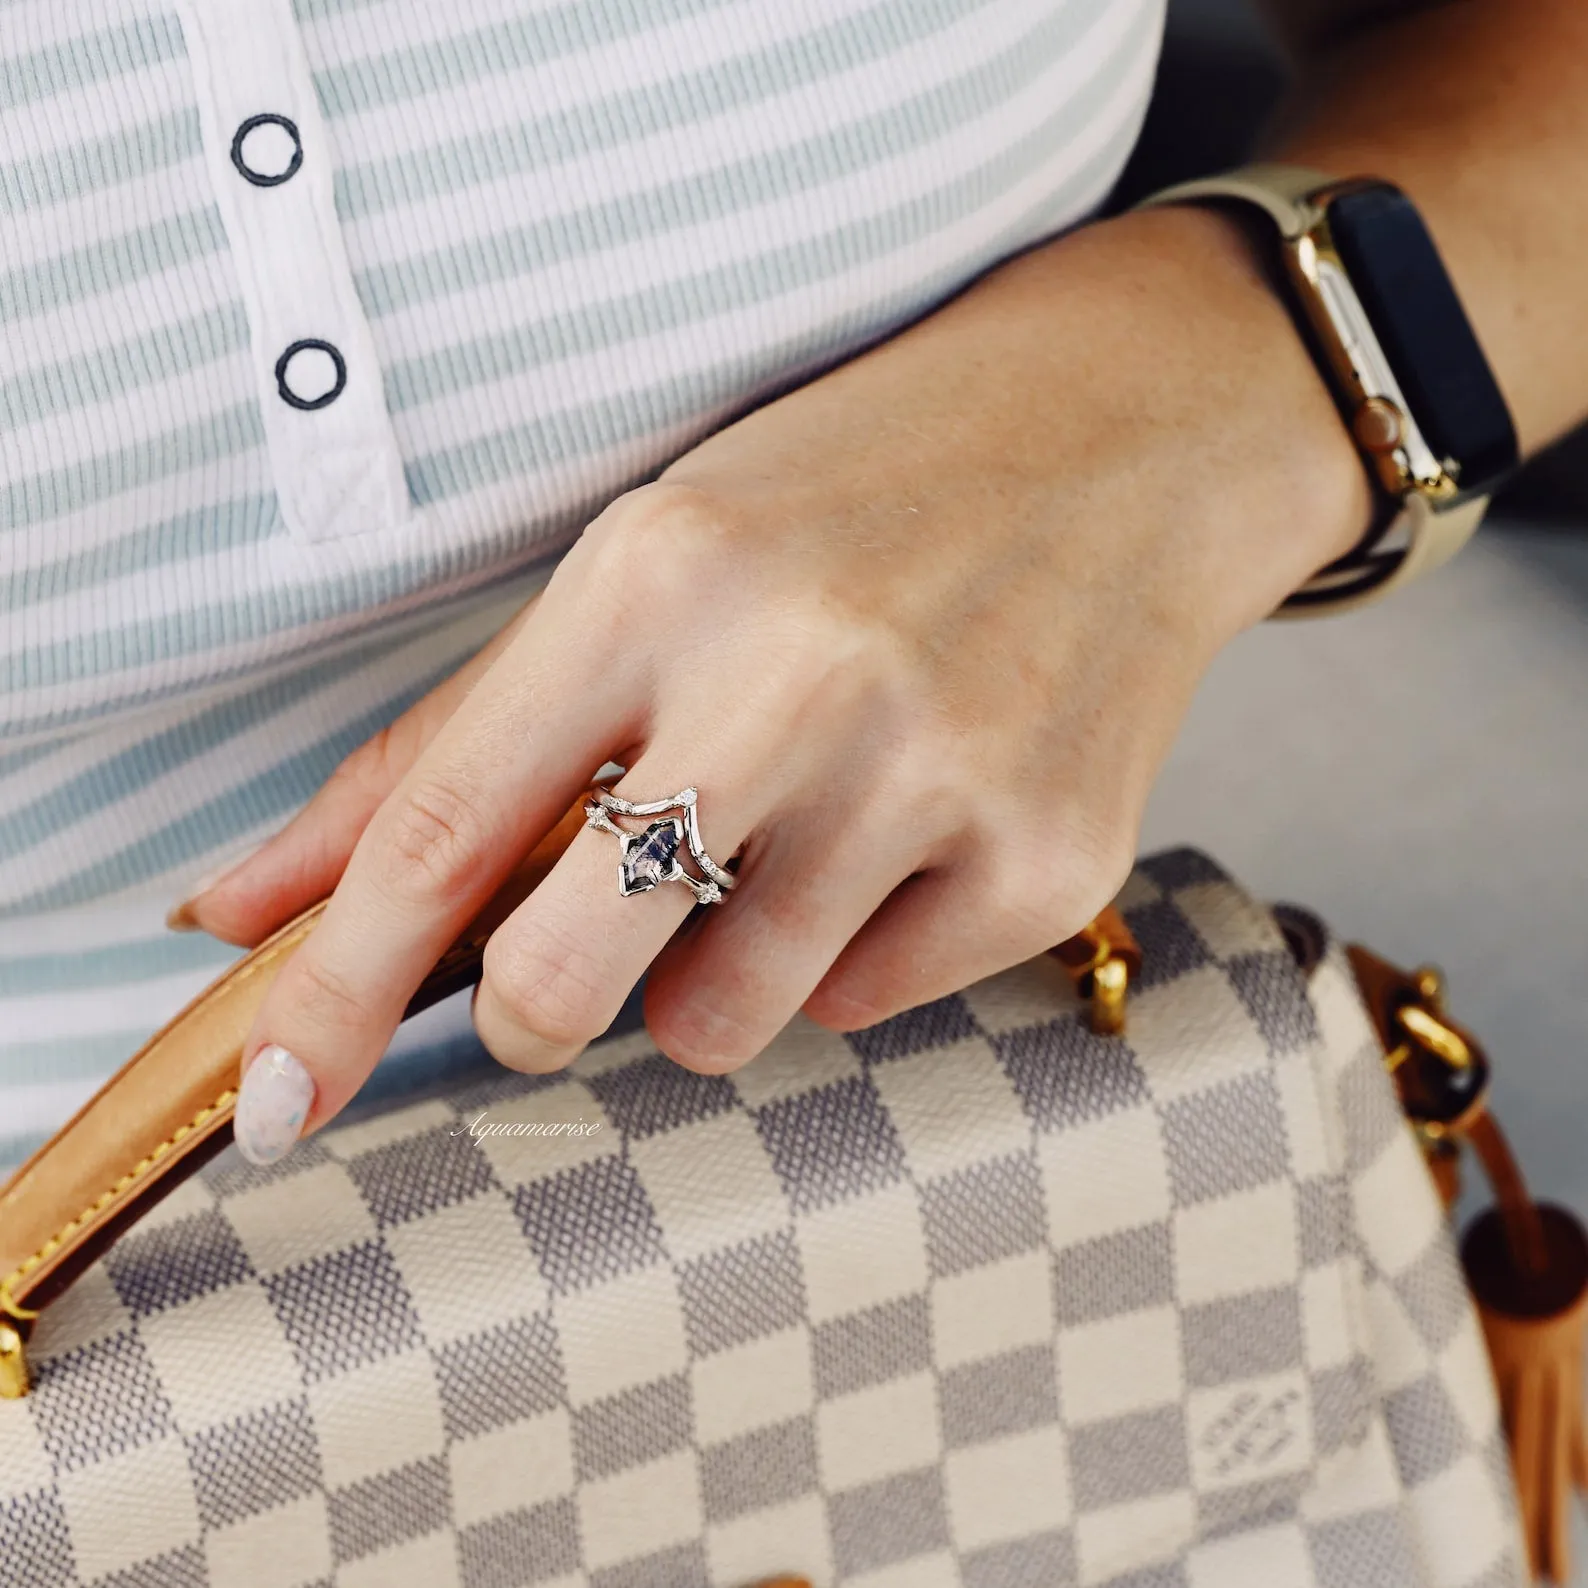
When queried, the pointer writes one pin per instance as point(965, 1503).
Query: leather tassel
point(1527, 1264)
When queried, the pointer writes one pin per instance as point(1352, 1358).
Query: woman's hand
point(921, 632)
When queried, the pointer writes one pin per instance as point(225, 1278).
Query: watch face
point(1424, 333)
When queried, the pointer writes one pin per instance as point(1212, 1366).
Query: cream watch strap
point(1429, 538)
point(1279, 190)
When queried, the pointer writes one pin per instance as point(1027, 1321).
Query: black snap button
point(311, 345)
point(267, 178)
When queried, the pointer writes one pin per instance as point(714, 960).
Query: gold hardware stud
point(1109, 983)
point(1430, 983)
point(13, 1362)
point(1431, 1033)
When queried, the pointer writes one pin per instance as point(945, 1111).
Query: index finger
point(538, 724)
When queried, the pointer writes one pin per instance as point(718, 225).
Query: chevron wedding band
point(654, 854)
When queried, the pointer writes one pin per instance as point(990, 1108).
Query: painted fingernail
point(181, 918)
point(272, 1104)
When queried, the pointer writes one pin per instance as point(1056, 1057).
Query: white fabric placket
point(332, 449)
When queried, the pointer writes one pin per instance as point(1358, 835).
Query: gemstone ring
point(651, 856)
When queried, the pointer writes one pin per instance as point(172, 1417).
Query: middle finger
point(558, 970)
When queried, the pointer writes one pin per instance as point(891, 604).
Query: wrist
point(1201, 331)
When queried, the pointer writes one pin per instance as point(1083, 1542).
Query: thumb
point(302, 863)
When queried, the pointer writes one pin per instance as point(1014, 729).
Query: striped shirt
point(534, 250)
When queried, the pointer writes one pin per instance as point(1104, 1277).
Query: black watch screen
point(1424, 333)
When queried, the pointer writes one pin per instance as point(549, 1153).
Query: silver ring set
point(653, 855)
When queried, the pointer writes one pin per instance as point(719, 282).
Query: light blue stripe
point(513, 552)
point(17, 760)
point(533, 39)
point(707, 197)
point(558, 438)
point(77, 1058)
point(538, 143)
point(710, 195)
point(490, 581)
point(88, 58)
point(205, 531)
point(113, 964)
point(102, 267)
point(290, 781)
point(15, 1150)
point(74, 486)
point(32, 395)
point(319, 10)
point(119, 776)
point(82, 168)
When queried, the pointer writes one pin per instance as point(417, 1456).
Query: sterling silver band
point(651, 857)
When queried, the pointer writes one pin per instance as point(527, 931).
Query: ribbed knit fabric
point(582, 234)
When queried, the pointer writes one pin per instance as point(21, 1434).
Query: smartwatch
point(1396, 348)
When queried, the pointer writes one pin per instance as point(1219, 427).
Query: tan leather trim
point(179, 1085)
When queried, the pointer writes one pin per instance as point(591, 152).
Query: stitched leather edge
point(126, 1183)
point(285, 939)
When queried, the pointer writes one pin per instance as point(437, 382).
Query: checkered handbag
point(974, 1297)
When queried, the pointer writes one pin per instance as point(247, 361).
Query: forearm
point(1479, 110)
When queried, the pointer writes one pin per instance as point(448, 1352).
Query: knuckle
point(1028, 908)
point(1102, 856)
point(556, 993)
point(651, 544)
point(1032, 903)
point(924, 777)
point(1054, 900)
point(437, 837)
point(324, 997)
point(811, 670)
point(688, 517)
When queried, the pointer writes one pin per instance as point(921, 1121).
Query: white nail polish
point(272, 1104)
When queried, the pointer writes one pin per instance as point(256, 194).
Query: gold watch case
point(1380, 417)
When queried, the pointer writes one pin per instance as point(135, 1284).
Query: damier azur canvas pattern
point(974, 1298)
